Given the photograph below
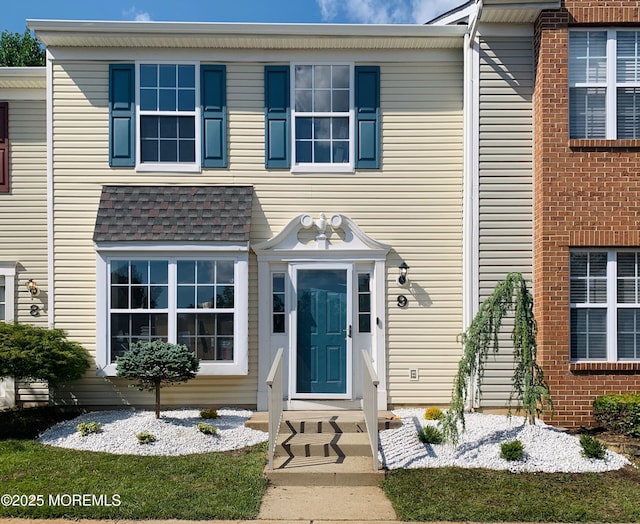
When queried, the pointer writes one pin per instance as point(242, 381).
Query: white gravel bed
point(175, 432)
point(546, 449)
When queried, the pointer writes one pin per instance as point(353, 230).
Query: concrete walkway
point(353, 503)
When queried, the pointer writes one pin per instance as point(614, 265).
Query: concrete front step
point(324, 471)
point(323, 445)
point(325, 421)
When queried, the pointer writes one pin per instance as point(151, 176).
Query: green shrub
point(512, 450)
point(207, 429)
point(86, 428)
point(430, 435)
point(433, 413)
point(209, 413)
point(37, 353)
point(592, 447)
point(145, 437)
point(619, 413)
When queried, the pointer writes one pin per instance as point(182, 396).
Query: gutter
point(471, 204)
point(50, 250)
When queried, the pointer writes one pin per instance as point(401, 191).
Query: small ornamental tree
point(530, 388)
point(156, 364)
point(36, 353)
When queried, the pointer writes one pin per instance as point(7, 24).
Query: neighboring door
point(322, 332)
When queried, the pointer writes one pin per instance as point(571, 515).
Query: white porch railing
point(370, 404)
point(276, 404)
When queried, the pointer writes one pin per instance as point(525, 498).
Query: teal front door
point(322, 331)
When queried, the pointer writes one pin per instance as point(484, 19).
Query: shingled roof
point(174, 214)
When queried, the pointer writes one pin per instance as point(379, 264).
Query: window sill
point(206, 368)
point(168, 168)
point(604, 367)
point(601, 143)
point(327, 169)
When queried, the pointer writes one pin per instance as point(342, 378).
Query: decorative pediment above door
point(338, 233)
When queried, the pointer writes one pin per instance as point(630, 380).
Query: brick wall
point(587, 194)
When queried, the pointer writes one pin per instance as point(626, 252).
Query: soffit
point(515, 11)
point(60, 33)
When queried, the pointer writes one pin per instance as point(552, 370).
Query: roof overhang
point(515, 11)
point(23, 77)
point(496, 11)
point(82, 33)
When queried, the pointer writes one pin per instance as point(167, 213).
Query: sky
point(16, 12)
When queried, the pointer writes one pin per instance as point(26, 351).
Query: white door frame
point(339, 242)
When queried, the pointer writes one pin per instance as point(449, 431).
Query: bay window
point(198, 301)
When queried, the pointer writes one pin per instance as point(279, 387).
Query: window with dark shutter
point(4, 147)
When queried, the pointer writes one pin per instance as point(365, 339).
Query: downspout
point(50, 250)
point(471, 209)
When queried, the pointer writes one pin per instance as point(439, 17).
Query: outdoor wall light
point(32, 286)
point(402, 279)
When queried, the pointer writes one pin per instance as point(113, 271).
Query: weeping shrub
point(530, 388)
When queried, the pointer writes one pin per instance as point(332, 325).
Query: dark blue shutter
point(213, 88)
point(367, 100)
point(122, 112)
point(277, 114)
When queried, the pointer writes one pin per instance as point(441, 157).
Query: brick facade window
point(604, 84)
point(605, 305)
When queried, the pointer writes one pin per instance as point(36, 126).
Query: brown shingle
point(174, 214)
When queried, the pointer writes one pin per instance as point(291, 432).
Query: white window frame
point(611, 305)
point(239, 365)
point(185, 167)
point(323, 167)
point(8, 274)
point(611, 84)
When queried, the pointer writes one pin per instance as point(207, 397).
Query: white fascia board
point(93, 27)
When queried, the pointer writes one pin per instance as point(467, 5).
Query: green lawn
point(204, 486)
point(455, 494)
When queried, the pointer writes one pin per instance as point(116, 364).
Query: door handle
point(349, 331)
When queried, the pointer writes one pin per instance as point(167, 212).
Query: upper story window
point(167, 115)
point(322, 115)
point(604, 84)
point(605, 305)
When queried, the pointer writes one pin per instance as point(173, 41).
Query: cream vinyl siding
point(23, 220)
point(414, 203)
point(23, 211)
point(506, 172)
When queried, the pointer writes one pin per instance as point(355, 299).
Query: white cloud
point(328, 9)
point(134, 14)
point(384, 11)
